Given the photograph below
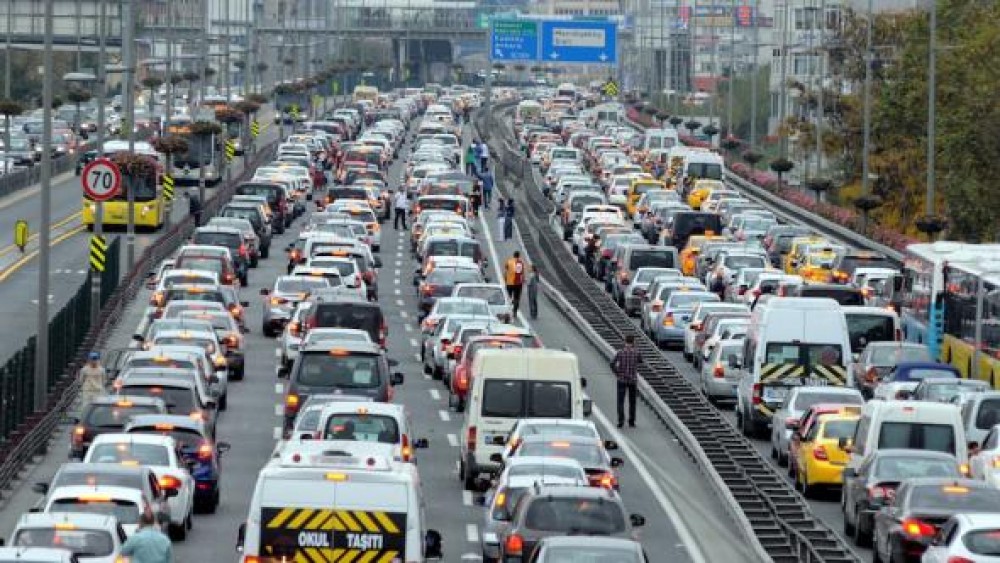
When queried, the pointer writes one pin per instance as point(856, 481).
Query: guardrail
point(776, 520)
point(27, 177)
point(797, 214)
point(31, 437)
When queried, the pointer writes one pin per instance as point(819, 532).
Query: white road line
point(404, 314)
point(472, 533)
point(397, 291)
point(435, 394)
point(396, 281)
point(445, 417)
point(687, 539)
point(278, 409)
point(276, 434)
point(453, 442)
point(408, 328)
point(414, 343)
point(277, 352)
point(396, 272)
point(417, 356)
point(400, 302)
point(279, 389)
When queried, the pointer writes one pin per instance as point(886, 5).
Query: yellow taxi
point(820, 459)
point(638, 187)
point(817, 266)
point(689, 255)
point(797, 252)
point(701, 189)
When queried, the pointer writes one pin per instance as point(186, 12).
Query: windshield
point(917, 374)
point(592, 554)
point(83, 543)
point(127, 453)
point(477, 308)
point(651, 258)
point(589, 455)
point(115, 416)
point(454, 276)
point(836, 429)
point(892, 355)
point(207, 264)
point(737, 262)
point(812, 354)
point(492, 295)
point(984, 542)
point(517, 398)
point(215, 238)
point(126, 511)
point(179, 400)
point(866, 327)
point(587, 516)
point(944, 392)
point(917, 436)
point(805, 400)
point(955, 498)
point(555, 470)
point(683, 300)
point(300, 284)
point(362, 428)
point(902, 467)
point(342, 372)
point(187, 439)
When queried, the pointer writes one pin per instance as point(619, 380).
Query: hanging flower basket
point(135, 165)
point(240, 64)
point(284, 89)
point(78, 96)
point(205, 128)
point(867, 203)
point(171, 144)
point(152, 82)
point(261, 67)
point(176, 78)
point(246, 107)
point(752, 158)
point(228, 115)
point(10, 108)
point(781, 165)
point(676, 120)
point(710, 130)
point(692, 125)
point(192, 76)
point(259, 99)
point(931, 225)
point(730, 143)
point(662, 115)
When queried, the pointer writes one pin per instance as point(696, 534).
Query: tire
point(265, 252)
point(808, 491)
point(178, 533)
point(861, 537)
point(689, 357)
point(253, 262)
point(782, 459)
point(468, 478)
point(774, 451)
point(224, 402)
point(849, 528)
point(268, 331)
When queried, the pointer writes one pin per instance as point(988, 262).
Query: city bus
point(202, 152)
point(149, 207)
point(962, 283)
point(363, 93)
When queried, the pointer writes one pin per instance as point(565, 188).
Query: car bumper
point(669, 334)
point(825, 473)
point(720, 388)
point(632, 302)
point(206, 489)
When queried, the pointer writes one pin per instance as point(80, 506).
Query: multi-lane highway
point(684, 519)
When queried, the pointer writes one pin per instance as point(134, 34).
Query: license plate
point(815, 381)
point(775, 394)
point(495, 439)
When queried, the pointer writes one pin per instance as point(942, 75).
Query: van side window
point(990, 442)
point(861, 435)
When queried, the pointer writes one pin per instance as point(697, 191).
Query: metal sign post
point(101, 180)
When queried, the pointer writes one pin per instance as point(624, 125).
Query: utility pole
point(168, 108)
point(783, 113)
point(819, 90)
point(931, 116)
point(865, 160)
point(7, 55)
point(42, 340)
point(229, 84)
point(814, 27)
point(732, 72)
point(753, 76)
point(128, 99)
point(201, 97)
point(102, 87)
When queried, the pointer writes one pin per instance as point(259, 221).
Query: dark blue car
point(915, 372)
point(197, 449)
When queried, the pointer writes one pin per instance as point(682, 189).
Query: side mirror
point(223, 447)
point(496, 458)
point(432, 545)
point(610, 445)
point(845, 444)
point(309, 197)
point(583, 382)
point(138, 338)
point(244, 303)
point(421, 444)
point(588, 407)
point(265, 291)
point(397, 378)
point(733, 361)
point(897, 283)
point(171, 493)
point(241, 535)
point(617, 462)
point(377, 262)
point(973, 446)
point(637, 520)
point(40, 488)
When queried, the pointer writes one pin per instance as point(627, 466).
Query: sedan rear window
point(586, 516)
point(83, 543)
point(341, 372)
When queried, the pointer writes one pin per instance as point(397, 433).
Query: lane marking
point(472, 533)
point(279, 388)
point(396, 281)
point(30, 255)
point(404, 314)
point(453, 442)
point(400, 302)
point(435, 394)
point(413, 342)
point(276, 433)
point(445, 417)
point(277, 409)
point(408, 328)
point(277, 353)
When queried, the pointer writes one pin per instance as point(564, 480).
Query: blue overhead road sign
point(580, 41)
point(513, 40)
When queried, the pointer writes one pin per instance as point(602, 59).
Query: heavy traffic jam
point(827, 355)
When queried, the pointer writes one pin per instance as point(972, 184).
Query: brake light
point(78, 433)
point(293, 329)
point(470, 438)
point(291, 404)
point(819, 453)
point(236, 310)
point(407, 450)
point(880, 493)
point(157, 299)
point(383, 333)
point(278, 301)
point(604, 480)
point(170, 482)
point(514, 545)
point(244, 252)
point(917, 529)
point(668, 319)
point(461, 380)
point(606, 253)
point(296, 255)
point(205, 451)
point(959, 559)
point(719, 372)
point(656, 306)
point(756, 396)
point(228, 278)
point(428, 289)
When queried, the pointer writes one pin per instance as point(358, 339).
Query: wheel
point(265, 252)
point(224, 402)
point(189, 521)
point(862, 538)
point(468, 478)
point(177, 533)
point(688, 357)
point(245, 280)
point(782, 458)
point(876, 558)
point(240, 373)
point(268, 331)
point(253, 262)
point(849, 527)
point(808, 491)
point(774, 451)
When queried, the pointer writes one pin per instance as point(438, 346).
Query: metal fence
point(20, 179)
point(67, 331)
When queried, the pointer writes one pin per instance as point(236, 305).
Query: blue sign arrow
point(513, 40)
point(580, 41)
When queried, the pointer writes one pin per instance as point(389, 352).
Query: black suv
point(332, 308)
point(108, 414)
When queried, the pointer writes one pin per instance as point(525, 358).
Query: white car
point(125, 503)
point(551, 427)
point(967, 537)
point(291, 338)
point(161, 454)
point(982, 465)
point(65, 537)
point(493, 293)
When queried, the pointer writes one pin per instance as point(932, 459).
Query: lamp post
point(988, 269)
point(931, 117)
point(865, 159)
point(128, 99)
point(41, 375)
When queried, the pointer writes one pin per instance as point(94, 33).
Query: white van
point(871, 324)
point(660, 139)
point(512, 384)
point(791, 341)
point(316, 503)
point(912, 425)
point(703, 163)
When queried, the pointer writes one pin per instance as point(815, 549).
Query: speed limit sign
point(102, 179)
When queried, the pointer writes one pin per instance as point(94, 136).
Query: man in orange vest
point(514, 272)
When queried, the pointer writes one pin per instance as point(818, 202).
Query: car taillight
point(295, 255)
point(251, 559)
point(157, 299)
point(278, 301)
point(170, 482)
point(236, 311)
point(871, 375)
point(407, 450)
point(603, 480)
point(231, 341)
point(205, 451)
point(428, 289)
point(959, 559)
point(880, 493)
point(79, 433)
point(293, 329)
point(819, 453)
point(742, 291)
point(244, 252)
point(291, 404)
point(656, 306)
point(456, 350)
point(461, 380)
point(756, 293)
point(668, 319)
point(756, 396)
point(470, 438)
point(917, 529)
point(606, 253)
point(514, 545)
point(719, 372)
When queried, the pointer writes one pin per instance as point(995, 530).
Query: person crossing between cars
point(148, 544)
point(514, 272)
point(625, 366)
point(533, 284)
point(400, 204)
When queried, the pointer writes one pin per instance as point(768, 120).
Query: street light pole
point(931, 114)
point(229, 85)
point(169, 105)
point(784, 78)
point(128, 99)
point(41, 376)
point(95, 276)
point(865, 160)
point(753, 76)
point(819, 91)
point(201, 98)
point(7, 54)
point(732, 72)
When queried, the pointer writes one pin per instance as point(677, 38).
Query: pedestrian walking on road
point(508, 220)
point(513, 274)
point(533, 284)
point(93, 377)
point(476, 198)
point(400, 205)
point(484, 157)
point(194, 208)
point(148, 544)
point(501, 217)
point(625, 366)
point(487, 178)
point(470, 159)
